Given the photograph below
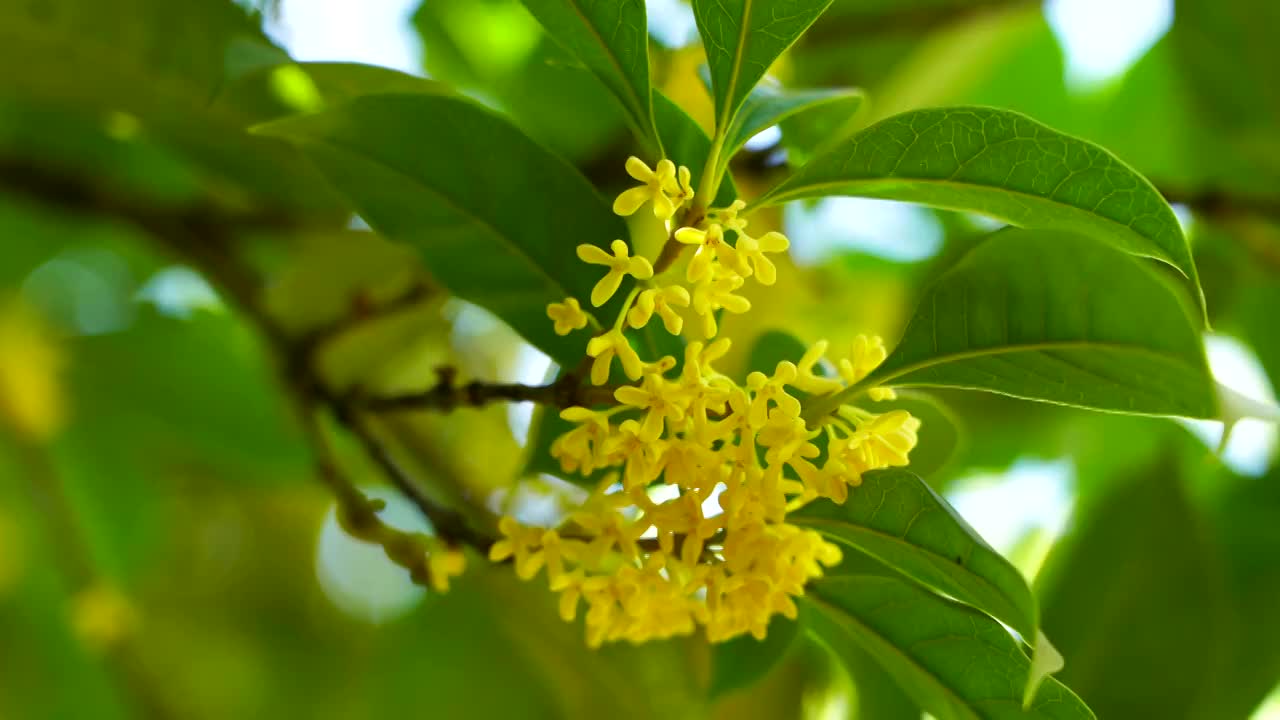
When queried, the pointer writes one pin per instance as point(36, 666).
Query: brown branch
point(447, 395)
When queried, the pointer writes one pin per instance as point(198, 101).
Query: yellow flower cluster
point(688, 526)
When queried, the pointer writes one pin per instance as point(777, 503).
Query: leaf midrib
point(889, 376)
point(736, 71)
point(844, 618)
point(819, 523)
point(633, 97)
point(782, 197)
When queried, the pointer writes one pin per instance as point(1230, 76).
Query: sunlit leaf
point(1002, 164)
point(611, 39)
point(1055, 317)
point(957, 663)
point(895, 517)
point(495, 216)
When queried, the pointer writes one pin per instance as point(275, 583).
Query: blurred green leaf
point(287, 89)
point(151, 68)
point(610, 38)
point(1055, 317)
point(496, 217)
point(743, 38)
point(1002, 164)
point(1243, 520)
point(957, 663)
point(896, 518)
point(686, 143)
point(1132, 599)
point(744, 661)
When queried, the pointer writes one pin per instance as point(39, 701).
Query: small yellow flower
point(867, 354)
point(715, 292)
point(683, 192)
point(751, 252)
point(809, 381)
point(712, 246)
point(660, 300)
point(620, 263)
point(655, 397)
point(604, 347)
point(657, 184)
point(583, 448)
point(772, 390)
point(729, 216)
point(445, 563)
point(568, 316)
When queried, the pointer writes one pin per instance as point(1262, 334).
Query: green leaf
point(610, 38)
point(1002, 164)
point(1136, 581)
point(496, 217)
point(1056, 317)
point(896, 518)
point(290, 88)
point(152, 68)
point(685, 142)
point(743, 661)
point(743, 38)
point(772, 104)
point(957, 663)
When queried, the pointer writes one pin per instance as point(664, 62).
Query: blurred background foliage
point(165, 549)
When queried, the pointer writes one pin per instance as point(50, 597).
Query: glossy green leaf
point(896, 518)
point(611, 39)
point(771, 104)
point(743, 661)
point(1056, 317)
point(1136, 582)
point(743, 38)
point(957, 663)
point(496, 217)
point(686, 143)
point(1002, 164)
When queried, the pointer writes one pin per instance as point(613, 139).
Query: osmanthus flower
point(604, 347)
point(714, 292)
point(712, 246)
point(583, 448)
point(620, 264)
point(662, 301)
point(445, 563)
point(661, 405)
point(650, 565)
point(748, 258)
point(567, 316)
point(659, 185)
point(866, 355)
point(772, 390)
